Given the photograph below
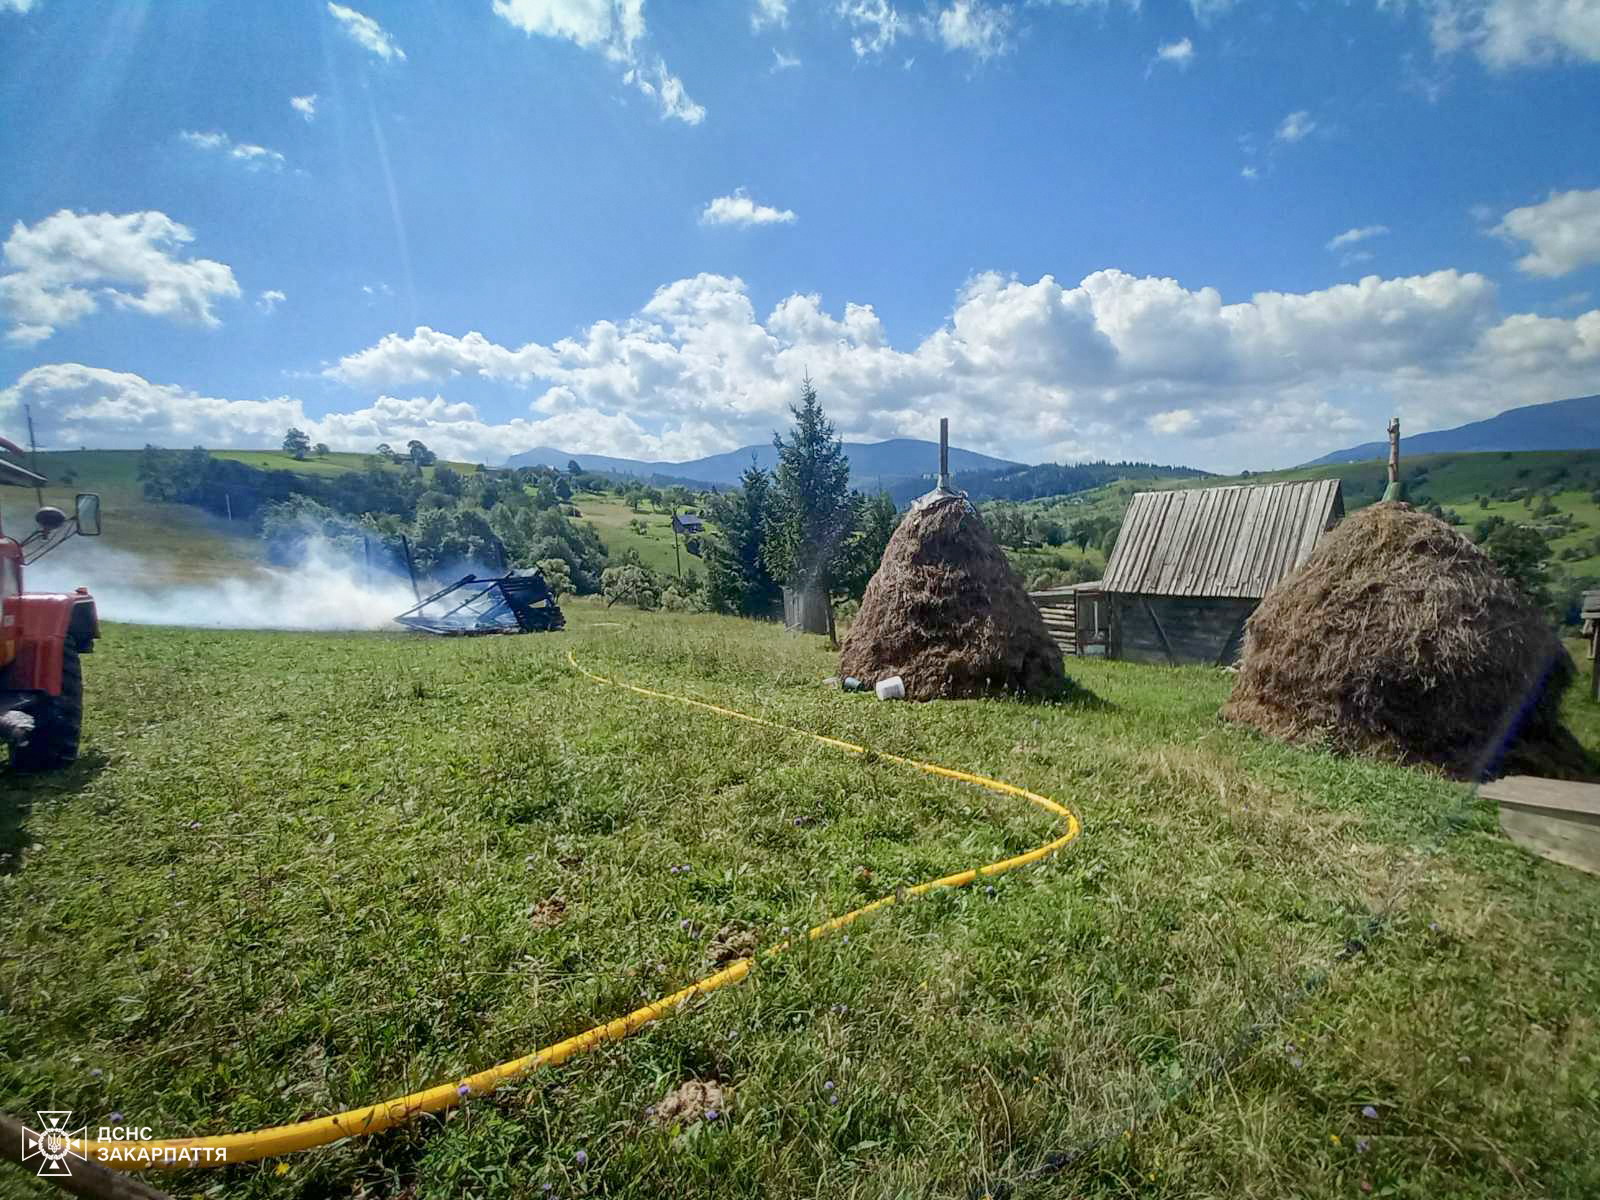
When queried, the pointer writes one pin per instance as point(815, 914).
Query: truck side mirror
point(88, 514)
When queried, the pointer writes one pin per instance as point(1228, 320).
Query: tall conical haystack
point(1400, 637)
point(946, 612)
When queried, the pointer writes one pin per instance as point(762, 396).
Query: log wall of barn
point(1179, 630)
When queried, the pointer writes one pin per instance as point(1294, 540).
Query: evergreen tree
point(813, 513)
point(879, 519)
point(737, 580)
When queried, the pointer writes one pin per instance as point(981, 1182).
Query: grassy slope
point(610, 516)
point(316, 863)
point(1452, 481)
point(179, 542)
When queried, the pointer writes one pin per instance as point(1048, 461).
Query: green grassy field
point(177, 543)
point(296, 873)
point(612, 518)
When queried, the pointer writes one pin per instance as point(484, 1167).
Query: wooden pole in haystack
point(1394, 491)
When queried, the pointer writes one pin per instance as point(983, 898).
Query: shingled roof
point(1224, 541)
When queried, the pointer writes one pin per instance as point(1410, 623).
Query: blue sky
point(1224, 234)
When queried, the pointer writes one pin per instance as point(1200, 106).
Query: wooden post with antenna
point(1394, 491)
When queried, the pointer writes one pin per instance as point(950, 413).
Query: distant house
point(1190, 566)
point(688, 525)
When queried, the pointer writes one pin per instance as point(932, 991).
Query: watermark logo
point(53, 1144)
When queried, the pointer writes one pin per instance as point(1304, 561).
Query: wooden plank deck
point(1555, 819)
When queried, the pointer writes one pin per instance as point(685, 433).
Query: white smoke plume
point(324, 592)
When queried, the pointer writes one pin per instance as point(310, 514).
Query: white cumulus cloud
point(1040, 369)
point(739, 209)
point(769, 12)
point(1295, 126)
point(614, 29)
point(1562, 233)
point(269, 300)
point(366, 33)
point(982, 30)
point(59, 270)
point(251, 156)
point(1180, 53)
point(1359, 234)
point(1517, 33)
point(306, 106)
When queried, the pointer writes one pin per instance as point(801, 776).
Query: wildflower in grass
point(1369, 1112)
point(827, 1085)
point(684, 924)
point(95, 1072)
point(712, 1114)
point(1297, 1062)
point(989, 891)
point(1334, 1138)
point(581, 1158)
point(833, 1097)
point(463, 1090)
point(116, 1118)
point(1363, 1145)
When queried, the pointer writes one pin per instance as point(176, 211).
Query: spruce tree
point(737, 580)
point(813, 513)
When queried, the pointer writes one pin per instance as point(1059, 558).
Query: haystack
point(1400, 637)
point(946, 612)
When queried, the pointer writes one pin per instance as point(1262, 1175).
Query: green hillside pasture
point(1450, 480)
point(175, 543)
point(611, 517)
point(298, 873)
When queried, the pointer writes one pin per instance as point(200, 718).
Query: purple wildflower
point(1369, 1112)
point(581, 1158)
point(117, 1118)
point(463, 1090)
point(833, 1097)
point(712, 1114)
point(95, 1072)
point(1362, 1145)
point(1297, 1062)
point(827, 1085)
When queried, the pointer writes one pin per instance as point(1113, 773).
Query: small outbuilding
point(688, 525)
point(1190, 566)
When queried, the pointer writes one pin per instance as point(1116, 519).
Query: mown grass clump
point(297, 873)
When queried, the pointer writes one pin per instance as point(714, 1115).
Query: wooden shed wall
point(1180, 631)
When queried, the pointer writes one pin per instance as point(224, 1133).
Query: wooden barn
point(1190, 566)
point(1076, 616)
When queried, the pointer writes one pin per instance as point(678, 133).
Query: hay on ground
point(1400, 637)
point(946, 612)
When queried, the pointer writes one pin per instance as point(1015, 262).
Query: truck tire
point(56, 723)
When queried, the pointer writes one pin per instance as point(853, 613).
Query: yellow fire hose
point(358, 1122)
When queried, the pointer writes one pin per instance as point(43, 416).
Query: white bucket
point(892, 688)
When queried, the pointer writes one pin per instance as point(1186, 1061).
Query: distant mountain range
point(1559, 425)
point(874, 466)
